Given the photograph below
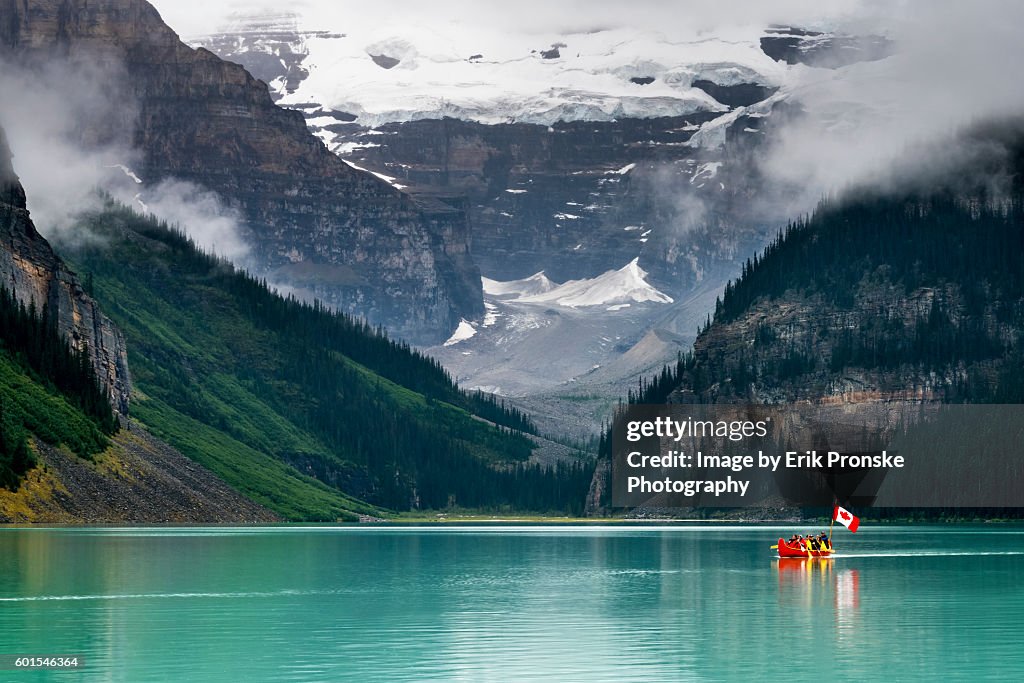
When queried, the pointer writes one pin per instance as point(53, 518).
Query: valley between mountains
point(300, 266)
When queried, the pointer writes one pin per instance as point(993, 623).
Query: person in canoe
point(820, 545)
point(811, 545)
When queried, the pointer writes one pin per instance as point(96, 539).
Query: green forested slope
point(901, 288)
point(913, 295)
point(267, 391)
point(46, 389)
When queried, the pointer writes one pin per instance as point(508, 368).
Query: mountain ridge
point(64, 457)
point(309, 412)
point(395, 259)
point(863, 305)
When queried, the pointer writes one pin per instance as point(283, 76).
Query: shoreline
point(511, 520)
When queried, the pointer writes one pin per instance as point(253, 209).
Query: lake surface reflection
point(565, 603)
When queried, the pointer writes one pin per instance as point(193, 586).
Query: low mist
point(897, 123)
point(70, 128)
point(65, 133)
point(186, 204)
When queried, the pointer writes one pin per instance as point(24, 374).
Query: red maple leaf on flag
point(846, 518)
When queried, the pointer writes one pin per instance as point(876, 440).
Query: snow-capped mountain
point(577, 148)
point(615, 289)
point(561, 337)
point(353, 71)
point(396, 73)
point(538, 283)
point(574, 151)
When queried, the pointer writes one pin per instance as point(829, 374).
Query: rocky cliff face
point(799, 46)
point(34, 273)
point(860, 312)
point(782, 350)
point(578, 198)
point(575, 192)
point(316, 224)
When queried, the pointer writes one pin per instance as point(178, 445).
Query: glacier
point(615, 289)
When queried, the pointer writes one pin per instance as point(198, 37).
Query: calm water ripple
point(516, 603)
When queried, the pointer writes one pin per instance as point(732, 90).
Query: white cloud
point(67, 125)
point(199, 17)
point(878, 122)
point(70, 130)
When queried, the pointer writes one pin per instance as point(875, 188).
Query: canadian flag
point(846, 518)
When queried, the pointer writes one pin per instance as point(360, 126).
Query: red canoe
point(787, 550)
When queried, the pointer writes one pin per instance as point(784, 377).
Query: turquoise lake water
point(513, 604)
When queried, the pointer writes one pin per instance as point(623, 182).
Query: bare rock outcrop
point(31, 270)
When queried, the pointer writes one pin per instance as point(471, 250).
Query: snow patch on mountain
point(128, 172)
point(390, 180)
point(464, 331)
point(721, 73)
point(624, 286)
point(704, 171)
point(712, 134)
point(492, 315)
point(389, 72)
point(538, 283)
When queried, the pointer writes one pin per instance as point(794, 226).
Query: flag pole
point(832, 524)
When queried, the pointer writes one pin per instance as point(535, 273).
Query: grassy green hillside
point(306, 411)
point(27, 405)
